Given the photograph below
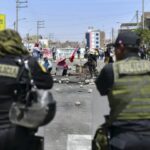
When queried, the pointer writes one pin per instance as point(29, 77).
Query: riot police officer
point(126, 82)
point(14, 137)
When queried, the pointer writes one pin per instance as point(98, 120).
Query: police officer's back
point(12, 52)
point(127, 85)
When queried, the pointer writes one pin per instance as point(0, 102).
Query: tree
point(145, 35)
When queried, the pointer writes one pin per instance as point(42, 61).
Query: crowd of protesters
point(47, 57)
point(92, 55)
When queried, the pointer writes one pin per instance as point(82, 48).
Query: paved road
point(80, 110)
point(72, 65)
point(75, 77)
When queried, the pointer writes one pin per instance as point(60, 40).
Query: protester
point(54, 50)
point(101, 54)
point(91, 63)
point(97, 53)
point(12, 57)
point(86, 52)
point(62, 66)
point(126, 82)
point(142, 52)
point(78, 53)
point(47, 64)
point(36, 53)
point(65, 70)
point(108, 55)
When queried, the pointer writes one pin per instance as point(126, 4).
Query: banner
point(2, 22)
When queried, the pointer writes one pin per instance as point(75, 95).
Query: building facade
point(94, 38)
point(102, 39)
point(147, 20)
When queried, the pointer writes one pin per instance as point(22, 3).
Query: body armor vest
point(130, 95)
point(9, 72)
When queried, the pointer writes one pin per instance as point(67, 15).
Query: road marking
point(79, 142)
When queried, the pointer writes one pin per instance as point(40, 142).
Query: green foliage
point(144, 34)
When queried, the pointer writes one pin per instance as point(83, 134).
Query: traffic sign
point(2, 22)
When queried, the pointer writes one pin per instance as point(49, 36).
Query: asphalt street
point(80, 110)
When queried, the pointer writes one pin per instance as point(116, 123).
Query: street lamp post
point(112, 31)
point(17, 7)
point(143, 14)
point(119, 26)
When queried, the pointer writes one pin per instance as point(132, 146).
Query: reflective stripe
point(145, 90)
point(128, 116)
point(116, 92)
point(141, 99)
point(130, 94)
point(136, 110)
point(137, 106)
point(129, 79)
point(137, 101)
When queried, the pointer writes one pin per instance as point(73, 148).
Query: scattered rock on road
point(90, 91)
point(77, 103)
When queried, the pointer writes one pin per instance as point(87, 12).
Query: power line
point(133, 18)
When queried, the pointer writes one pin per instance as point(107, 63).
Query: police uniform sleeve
point(41, 77)
point(105, 79)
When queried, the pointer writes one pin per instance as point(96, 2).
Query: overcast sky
point(70, 19)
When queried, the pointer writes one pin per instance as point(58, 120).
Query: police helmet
point(129, 39)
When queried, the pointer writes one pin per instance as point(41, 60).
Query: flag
point(73, 55)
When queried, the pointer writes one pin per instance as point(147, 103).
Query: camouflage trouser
point(92, 68)
point(100, 141)
point(91, 65)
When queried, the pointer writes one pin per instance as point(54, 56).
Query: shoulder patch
point(134, 67)
point(9, 70)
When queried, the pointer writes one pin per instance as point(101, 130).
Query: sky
point(70, 19)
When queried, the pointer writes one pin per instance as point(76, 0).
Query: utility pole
point(19, 5)
point(40, 24)
point(28, 39)
point(137, 17)
point(112, 35)
point(51, 37)
point(143, 14)
point(14, 25)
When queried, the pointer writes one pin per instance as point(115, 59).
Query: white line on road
point(79, 142)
